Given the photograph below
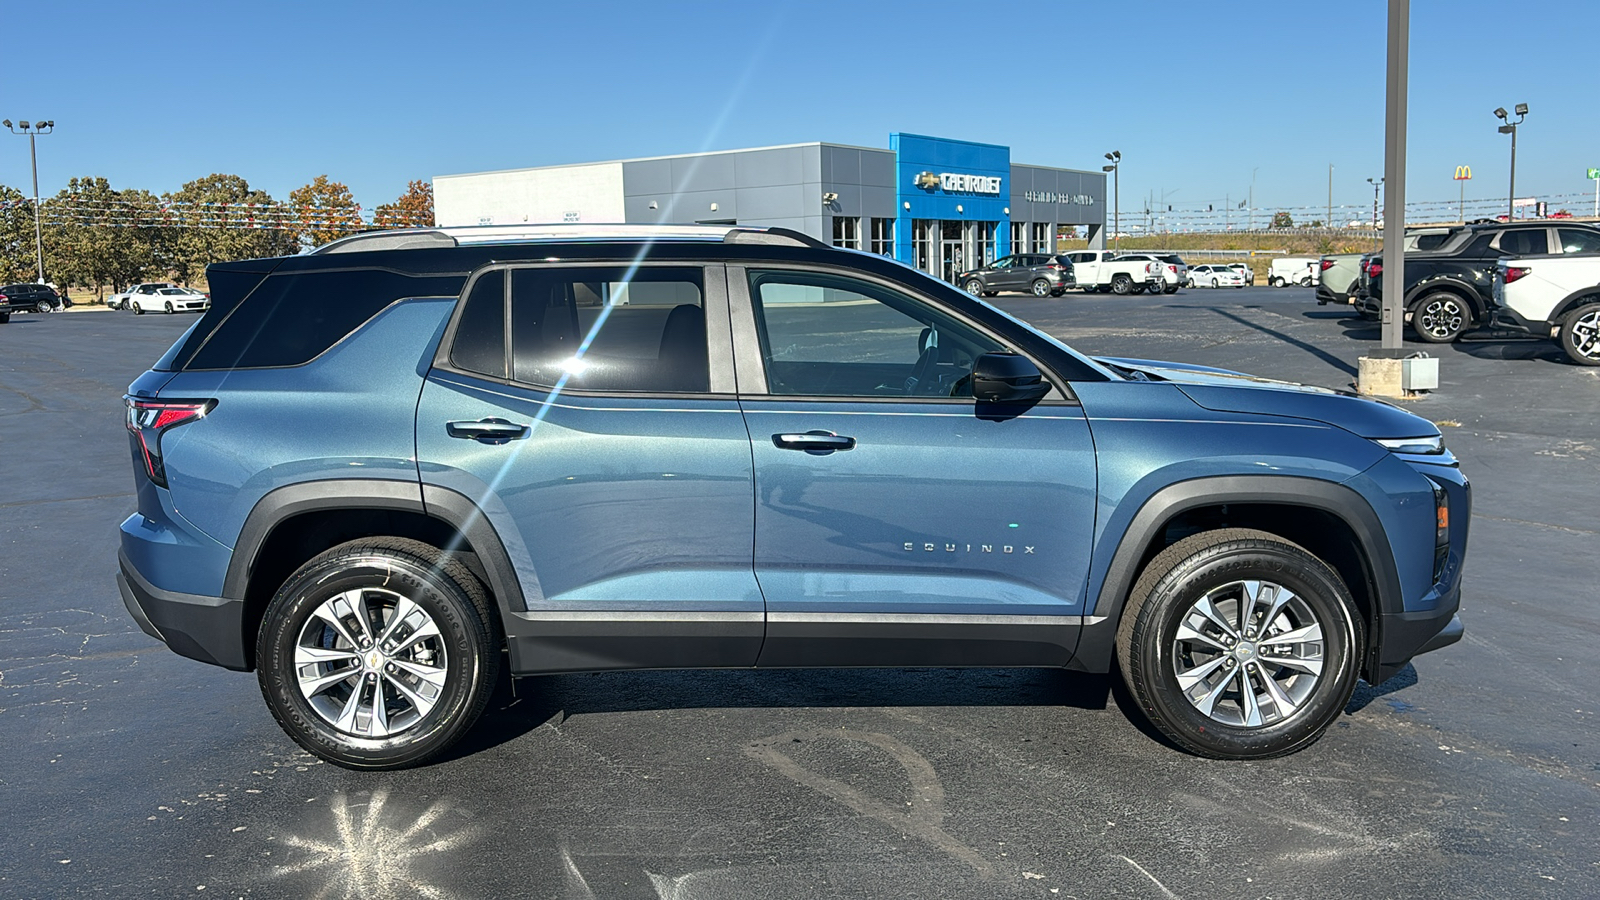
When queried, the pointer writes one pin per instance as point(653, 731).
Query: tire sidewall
point(1422, 307)
point(1191, 579)
point(294, 605)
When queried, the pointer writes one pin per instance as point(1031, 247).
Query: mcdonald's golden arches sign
point(1463, 173)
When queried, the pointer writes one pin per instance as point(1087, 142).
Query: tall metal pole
point(1511, 204)
point(38, 232)
point(1328, 222)
point(1394, 173)
point(1116, 206)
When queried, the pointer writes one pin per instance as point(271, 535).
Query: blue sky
point(1197, 96)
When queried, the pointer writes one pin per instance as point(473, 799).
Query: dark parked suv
point(382, 473)
point(29, 297)
point(1040, 274)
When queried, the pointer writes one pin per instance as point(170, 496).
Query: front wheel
point(1121, 284)
point(1440, 318)
point(169, 307)
point(43, 306)
point(1580, 335)
point(1237, 644)
point(973, 287)
point(1216, 283)
point(138, 309)
point(378, 654)
point(1040, 287)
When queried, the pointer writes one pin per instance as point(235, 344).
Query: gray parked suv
point(1040, 274)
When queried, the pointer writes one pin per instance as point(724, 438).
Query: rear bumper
point(209, 629)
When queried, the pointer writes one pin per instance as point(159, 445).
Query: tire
point(1214, 571)
point(382, 575)
point(1304, 282)
point(973, 287)
point(1275, 281)
point(5, 317)
point(1170, 289)
point(1441, 317)
point(169, 307)
point(991, 293)
point(1121, 284)
point(1215, 283)
point(1138, 289)
point(138, 309)
point(43, 306)
point(1040, 287)
point(1580, 335)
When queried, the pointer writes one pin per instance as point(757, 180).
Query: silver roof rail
point(465, 235)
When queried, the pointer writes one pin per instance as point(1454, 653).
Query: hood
point(1223, 390)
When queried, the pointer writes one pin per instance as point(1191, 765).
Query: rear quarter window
point(292, 318)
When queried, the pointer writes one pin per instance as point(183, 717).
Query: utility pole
point(1250, 210)
point(1376, 184)
point(1116, 197)
point(33, 130)
point(1394, 173)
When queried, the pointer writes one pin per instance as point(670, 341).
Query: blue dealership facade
point(939, 204)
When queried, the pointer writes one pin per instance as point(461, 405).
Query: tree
point(97, 236)
point(17, 261)
point(325, 211)
point(414, 209)
point(220, 217)
point(1282, 219)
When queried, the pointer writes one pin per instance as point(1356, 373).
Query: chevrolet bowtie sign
point(955, 183)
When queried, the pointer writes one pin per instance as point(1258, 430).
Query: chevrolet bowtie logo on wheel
point(927, 180)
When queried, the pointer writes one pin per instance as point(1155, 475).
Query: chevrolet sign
point(956, 183)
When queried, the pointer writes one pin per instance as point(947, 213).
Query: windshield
point(173, 291)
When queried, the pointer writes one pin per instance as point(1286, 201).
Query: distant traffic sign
point(1594, 173)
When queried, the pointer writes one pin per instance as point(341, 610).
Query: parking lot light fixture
point(1116, 196)
point(33, 130)
point(1377, 184)
point(1510, 127)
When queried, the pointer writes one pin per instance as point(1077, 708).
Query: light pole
point(1376, 185)
point(33, 130)
point(1510, 127)
point(1250, 211)
point(1116, 197)
point(1328, 222)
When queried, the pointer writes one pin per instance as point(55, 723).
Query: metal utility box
point(1419, 373)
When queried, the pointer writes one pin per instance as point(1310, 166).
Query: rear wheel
point(1238, 644)
point(1121, 284)
point(1439, 318)
point(378, 654)
point(1040, 287)
point(5, 317)
point(1580, 335)
point(43, 306)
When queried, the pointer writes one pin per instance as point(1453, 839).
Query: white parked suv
point(1555, 296)
point(1214, 276)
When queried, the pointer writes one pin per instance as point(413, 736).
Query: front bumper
point(209, 629)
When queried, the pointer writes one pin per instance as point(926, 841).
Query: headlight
point(1422, 446)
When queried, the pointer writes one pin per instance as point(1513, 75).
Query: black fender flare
point(1574, 300)
point(442, 504)
point(1097, 643)
point(1451, 285)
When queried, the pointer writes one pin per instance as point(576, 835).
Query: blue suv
point(383, 473)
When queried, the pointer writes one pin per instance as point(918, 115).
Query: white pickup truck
point(1555, 296)
point(1102, 270)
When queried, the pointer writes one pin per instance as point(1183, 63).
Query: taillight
point(148, 419)
point(1055, 266)
point(1515, 272)
point(1374, 269)
point(1326, 264)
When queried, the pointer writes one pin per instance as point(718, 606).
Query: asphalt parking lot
point(129, 771)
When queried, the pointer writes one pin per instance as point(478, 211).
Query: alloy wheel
point(1441, 319)
point(370, 662)
point(1248, 653)
point(1584, 334)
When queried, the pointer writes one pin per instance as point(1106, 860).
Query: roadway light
point(33, 131)
point(1116, 196)
point(1510, 128)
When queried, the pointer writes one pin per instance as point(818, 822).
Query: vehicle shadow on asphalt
point(1312, 349)
point(1366, 693)
point(551, 699)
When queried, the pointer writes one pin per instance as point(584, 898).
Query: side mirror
point(1003, 377)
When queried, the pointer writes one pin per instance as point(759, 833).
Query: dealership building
point(938, 204)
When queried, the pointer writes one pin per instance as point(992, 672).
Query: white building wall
point(582, 193)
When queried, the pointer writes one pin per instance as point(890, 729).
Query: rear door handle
point(816, 443)
point(489, 431)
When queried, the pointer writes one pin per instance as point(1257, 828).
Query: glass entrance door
point(952, 250)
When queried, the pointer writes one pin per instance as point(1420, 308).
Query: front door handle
point(816, 443)
point(489, 431)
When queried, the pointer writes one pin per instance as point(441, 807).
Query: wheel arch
point(1332, 521)
point(1574, 300)
point(292, 524)
point(1449, 285)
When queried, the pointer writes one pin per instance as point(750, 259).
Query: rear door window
point(1577, 240)
point(612, 329)
point(1524, 242)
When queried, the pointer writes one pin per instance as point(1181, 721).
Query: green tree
point(325, 211)
point(16, 236)
point(220, 217)
point(414, 208)
point(96, 236)
point(1282, 219)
